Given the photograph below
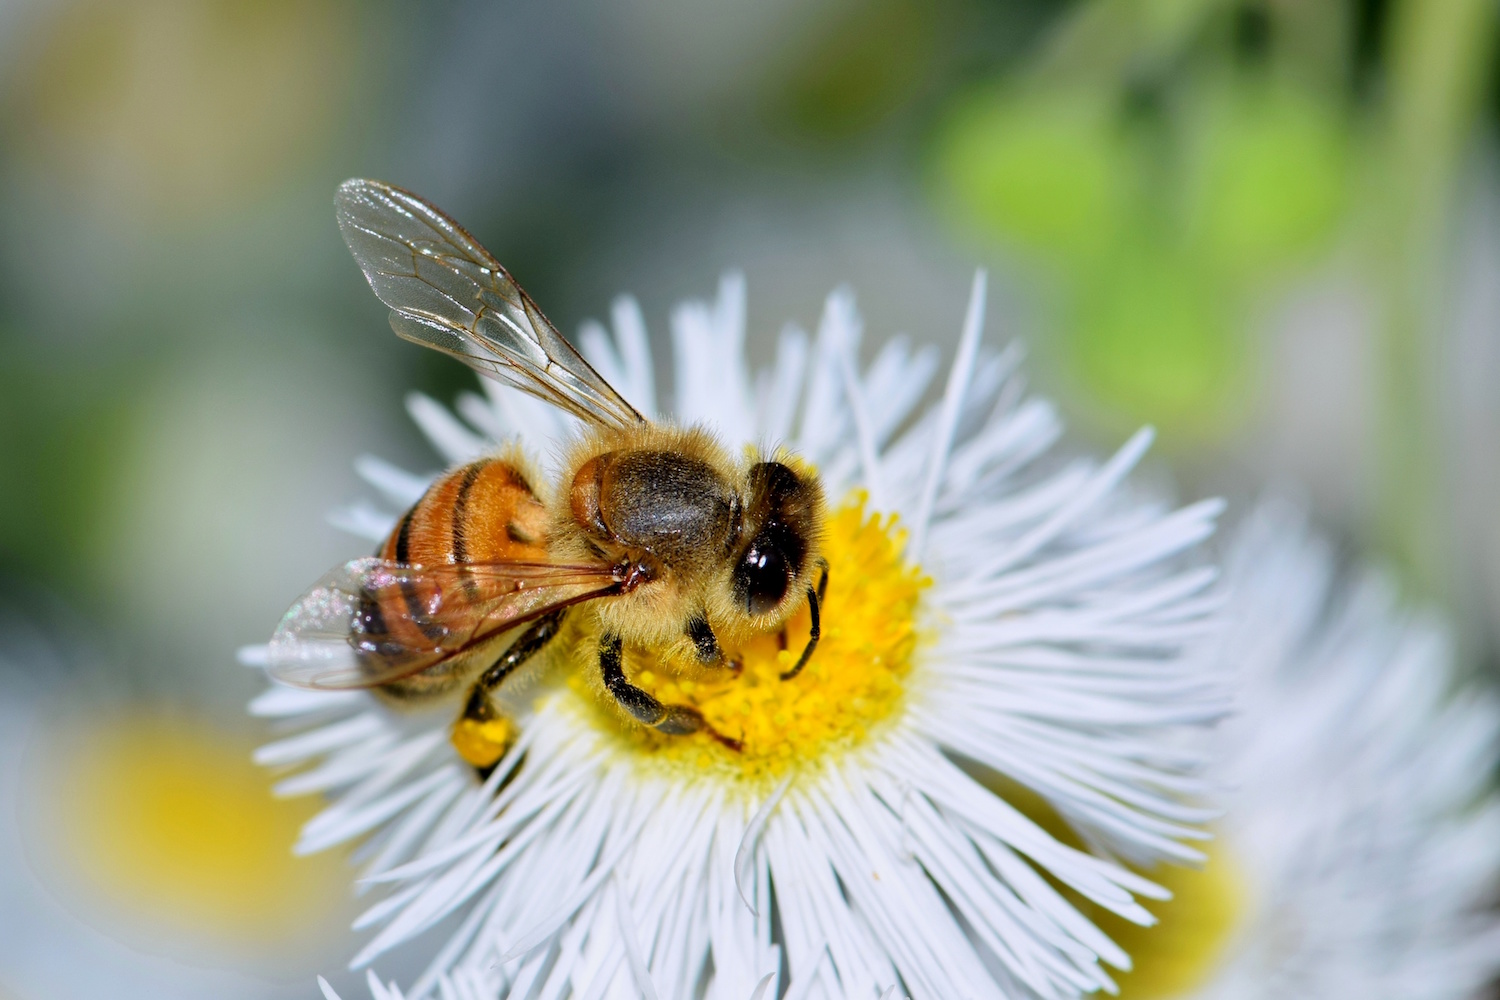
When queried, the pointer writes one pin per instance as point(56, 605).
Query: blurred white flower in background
point(1363, 819)
point(1018, 623)
point(1359, 856)
point(140, 854)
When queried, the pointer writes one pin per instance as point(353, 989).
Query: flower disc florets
point(854, 684)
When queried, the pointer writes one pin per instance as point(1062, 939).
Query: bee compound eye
point(762, 577)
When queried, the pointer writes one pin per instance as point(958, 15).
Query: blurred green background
point(1270, 228)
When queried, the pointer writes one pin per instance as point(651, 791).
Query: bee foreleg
point(482, 735)
point(674, 720)
point(813, 634)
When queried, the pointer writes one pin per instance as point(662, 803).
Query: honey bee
point(654, 532)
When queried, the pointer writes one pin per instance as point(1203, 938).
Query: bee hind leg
point(674, 720)
point(482, 734)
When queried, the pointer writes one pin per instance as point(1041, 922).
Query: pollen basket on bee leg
point(481, 743)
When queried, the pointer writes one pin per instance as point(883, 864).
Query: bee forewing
point(447, 292)
point(372, 621)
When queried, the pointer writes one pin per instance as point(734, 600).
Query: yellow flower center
point(853, 683)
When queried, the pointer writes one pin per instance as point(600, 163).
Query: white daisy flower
point(995, 619)
point(1360, 853)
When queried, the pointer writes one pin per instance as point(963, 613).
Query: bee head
point(782, 522)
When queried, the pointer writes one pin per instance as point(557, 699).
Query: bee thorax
point(673, 507)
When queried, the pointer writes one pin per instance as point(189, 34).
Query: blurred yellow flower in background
point(1183, 951)
point(167, 820)
point(142, 853)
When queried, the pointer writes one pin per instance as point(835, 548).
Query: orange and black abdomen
point(482, 512)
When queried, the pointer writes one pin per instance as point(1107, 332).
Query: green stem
point(1439, 50)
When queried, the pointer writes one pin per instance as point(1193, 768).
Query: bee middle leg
point(674, 720)
point(482, 735)
point(706, 645)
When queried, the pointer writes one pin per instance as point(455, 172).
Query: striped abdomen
point(485, 511)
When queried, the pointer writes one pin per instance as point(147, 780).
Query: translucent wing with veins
point(371, 621)
point(446, 291)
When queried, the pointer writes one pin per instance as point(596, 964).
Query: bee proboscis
point(654, 530)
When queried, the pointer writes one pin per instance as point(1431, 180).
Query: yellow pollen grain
point(855, 681)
